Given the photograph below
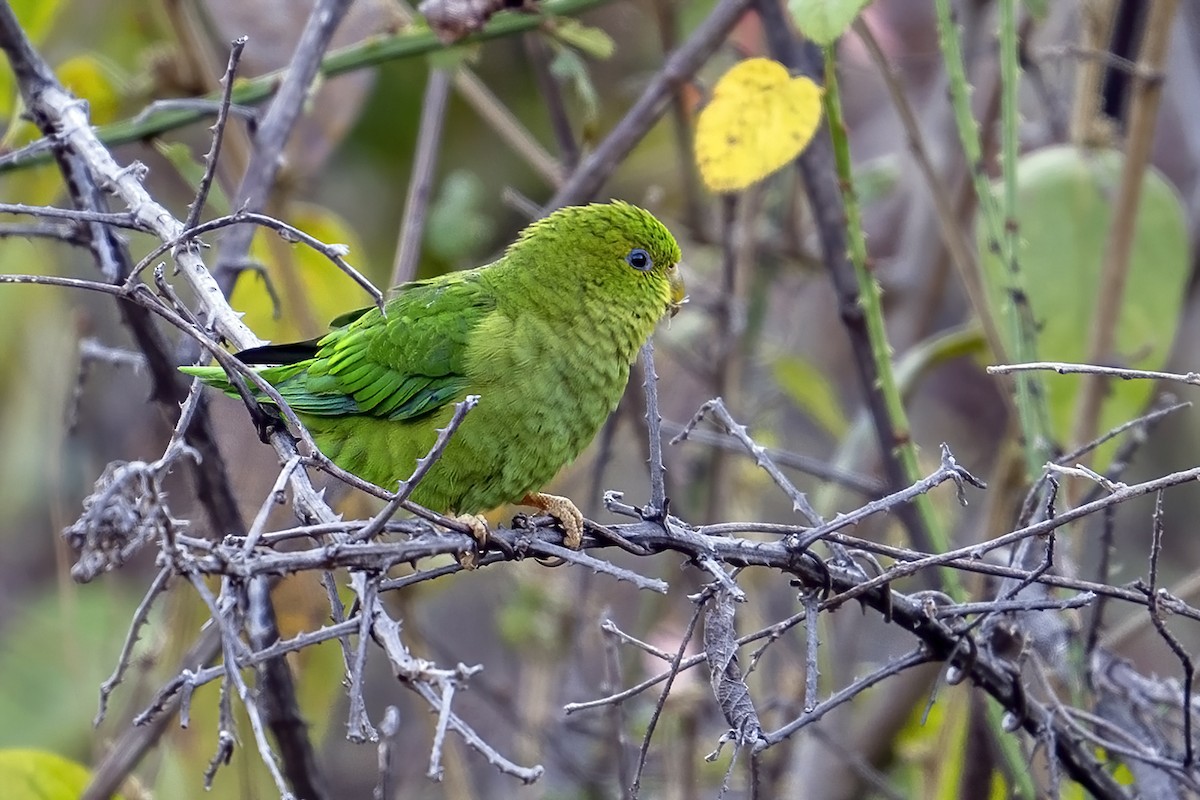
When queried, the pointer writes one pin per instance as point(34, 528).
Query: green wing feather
point(401, 366)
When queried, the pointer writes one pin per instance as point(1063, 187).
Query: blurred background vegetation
point(762, 330)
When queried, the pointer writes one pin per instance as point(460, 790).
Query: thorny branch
point(711, 544)
point(64, 118)
point(232, 559)
point(128, 513)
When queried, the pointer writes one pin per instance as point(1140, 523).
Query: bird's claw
point(562, 509)
point(469, 559)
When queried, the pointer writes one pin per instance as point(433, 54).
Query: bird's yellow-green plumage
point(545, 336)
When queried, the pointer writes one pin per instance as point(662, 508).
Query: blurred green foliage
point(1064, 213)
point(38, 775)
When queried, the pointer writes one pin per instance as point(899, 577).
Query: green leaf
point(41, 775)
point(569, 67)
point(810, 391)
point(1123, 775)
point(824, 21)
point(459, 223)
point(98, 81)
point(53, 656)
point(1065, 206)
point(584, 38)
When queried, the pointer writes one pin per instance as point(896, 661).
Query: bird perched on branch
point(544, 336)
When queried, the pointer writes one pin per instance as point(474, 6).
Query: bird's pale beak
point(678, 290)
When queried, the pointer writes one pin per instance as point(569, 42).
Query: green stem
point(367, 53)
point(1002, 229)
point(1001, 223)
point(872, 306)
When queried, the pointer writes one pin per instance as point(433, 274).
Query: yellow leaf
point(40, 775)
point(309, 289)
point(94, 80)
point(758, 120)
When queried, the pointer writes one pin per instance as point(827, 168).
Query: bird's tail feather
point(217, 378)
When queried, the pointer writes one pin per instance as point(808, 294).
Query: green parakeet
point(545, 336)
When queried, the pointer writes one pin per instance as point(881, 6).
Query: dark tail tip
point(279, 353)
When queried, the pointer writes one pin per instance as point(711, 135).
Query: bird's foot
point(562, 509)
point(479, 529)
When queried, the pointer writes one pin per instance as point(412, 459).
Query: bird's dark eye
point(639, 259)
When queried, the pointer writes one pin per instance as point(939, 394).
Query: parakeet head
point(614, 248)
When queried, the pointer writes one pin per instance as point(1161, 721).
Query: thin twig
point(424, 464)
point(1139, 426)
point(1156, 618)
point(386, 789)
point(358, 726)
point(1064, 368)
point(139, 619)
point(825, 170)
point(276, 128)
point(658, 492)
point(121, 219)
point(717, 408)
point(644, 751)
point(334, 252)
point(420, 182)
point(893, 667)
point(550, 90)
point(812, 640)
point(214, 152)
point(66, 233)
point(610, 628)
point(961, 252)
point(439, 737)
point(612, 679)
point(949, 470)
point(196, 678)
point(818, 468)
point(406, 43)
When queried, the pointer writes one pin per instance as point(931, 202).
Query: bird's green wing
point(398, 366)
